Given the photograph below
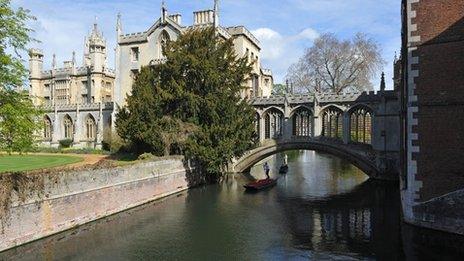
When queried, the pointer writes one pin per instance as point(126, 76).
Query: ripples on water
point(323, 209)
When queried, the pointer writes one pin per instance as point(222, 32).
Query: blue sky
point(284, 27)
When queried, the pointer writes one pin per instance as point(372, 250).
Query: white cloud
point(280, 51)
point(309, 33)
point(272, 43)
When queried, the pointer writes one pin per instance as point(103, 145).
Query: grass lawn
point(33, 162)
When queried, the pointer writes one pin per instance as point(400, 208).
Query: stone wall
point(69, 199)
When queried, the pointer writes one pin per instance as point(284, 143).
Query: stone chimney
point(203, 17)
point(176, 18)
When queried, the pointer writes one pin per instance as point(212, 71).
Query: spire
point(216, 13)
point(73, 57)
point(119, 23)
point(382, 82)
point(164, 12)
point(95, 33)
point(54, 62)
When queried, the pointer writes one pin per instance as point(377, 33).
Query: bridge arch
point(323, 108)
point(364, 163)
point(270, 108)
point(299, 107)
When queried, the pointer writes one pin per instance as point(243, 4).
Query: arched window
point(332, 123)
point(257, 123)
point(68, 127)
point(273, 121)
point(361, 125)
point(302, 122)
point(90, 128)
point(47, 128)
point(163, 41)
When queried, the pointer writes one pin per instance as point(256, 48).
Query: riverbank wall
point(37, 205)
point(445, 213)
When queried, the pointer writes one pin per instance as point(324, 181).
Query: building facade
point(432, 91)
point(135, 50)
point(77, 99)
point(81, 101)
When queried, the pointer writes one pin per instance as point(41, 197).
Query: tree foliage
point(279, 89)
point(191, 103)
point(333, 65)
point(19, 121)
point(14, 37)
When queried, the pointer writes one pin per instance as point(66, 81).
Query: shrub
point(146, 156)
point(66, 143)
point(112, 142)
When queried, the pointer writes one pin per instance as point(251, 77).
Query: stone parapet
point(42, 204)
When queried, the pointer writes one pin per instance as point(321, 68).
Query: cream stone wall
point(149, 44)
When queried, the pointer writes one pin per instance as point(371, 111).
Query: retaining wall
point(69, 199)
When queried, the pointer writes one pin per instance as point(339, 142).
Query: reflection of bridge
point(362, 128)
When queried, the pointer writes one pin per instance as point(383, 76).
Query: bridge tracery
point(361, 124)
point(332, 122)
point(302, 122)
point(273, 119)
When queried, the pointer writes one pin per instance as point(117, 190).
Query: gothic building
point(80, 101)
point(77, 99)
point(135, 50)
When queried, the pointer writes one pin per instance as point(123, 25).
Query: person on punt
point(266, 169)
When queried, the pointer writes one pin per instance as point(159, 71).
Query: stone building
point(77, 99)
point(432, 95)
point(80, 100)
point(135, 50)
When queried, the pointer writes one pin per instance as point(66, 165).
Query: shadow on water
point(323, 208)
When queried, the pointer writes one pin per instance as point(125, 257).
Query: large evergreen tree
point(192, 102)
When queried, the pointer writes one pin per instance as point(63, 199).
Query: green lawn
point(33, 162)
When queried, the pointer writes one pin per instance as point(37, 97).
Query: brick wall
point(440, 96)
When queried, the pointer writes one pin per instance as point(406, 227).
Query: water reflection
point(324, 208)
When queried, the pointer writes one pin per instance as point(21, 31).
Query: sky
point(285, 28)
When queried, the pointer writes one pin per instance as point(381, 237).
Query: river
point(323, 209)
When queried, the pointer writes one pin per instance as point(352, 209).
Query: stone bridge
point(362, 128)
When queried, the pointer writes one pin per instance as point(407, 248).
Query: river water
point(323, 209)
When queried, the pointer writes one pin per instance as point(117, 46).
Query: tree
point(192, 102)
point(279, 89)
point(19, 119)
point(332, 65)
point(14, 37)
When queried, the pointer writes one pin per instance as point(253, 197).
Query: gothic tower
point(96, 50)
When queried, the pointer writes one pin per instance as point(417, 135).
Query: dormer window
point(135, 54)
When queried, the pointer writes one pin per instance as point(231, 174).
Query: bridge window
point(361, 126)
point(332, 123)
point(302, 123)
point(47, 128)
point(273, 120)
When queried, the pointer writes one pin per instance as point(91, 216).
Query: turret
point(35, 63)
point(96, 45)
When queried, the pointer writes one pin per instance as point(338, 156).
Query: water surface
point(323, 209)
